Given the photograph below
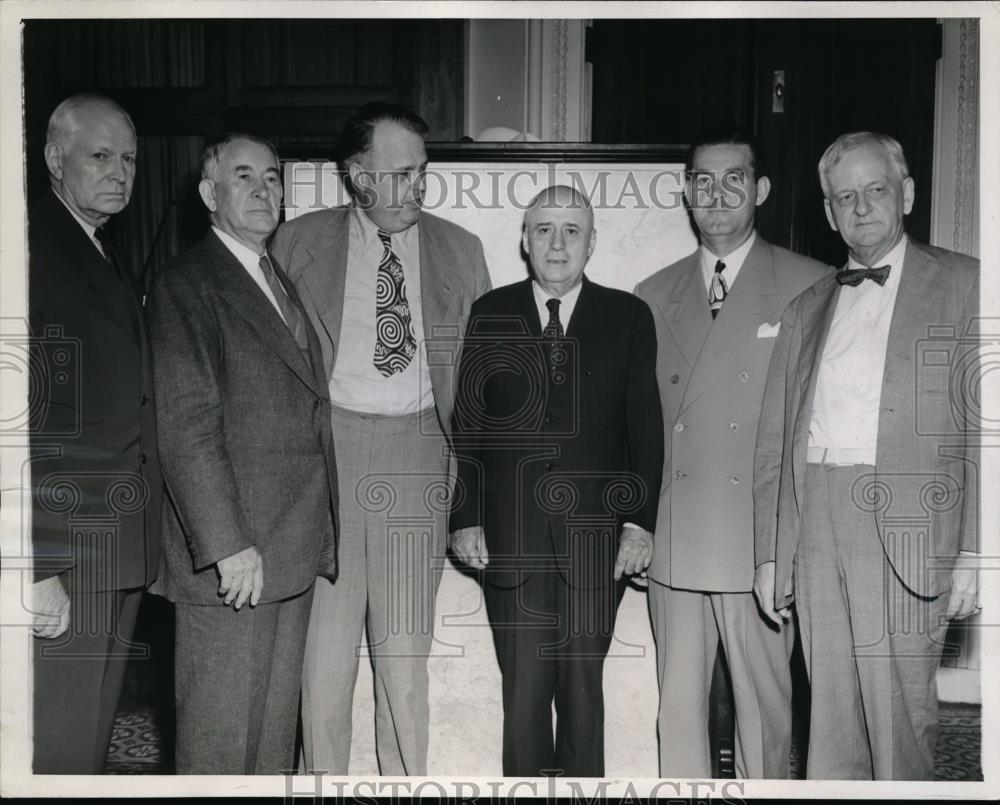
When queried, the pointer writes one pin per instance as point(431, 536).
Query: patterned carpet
point(138, 748)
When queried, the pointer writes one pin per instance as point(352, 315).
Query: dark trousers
point(551, 641)
point(237, 681)
point(78, 681)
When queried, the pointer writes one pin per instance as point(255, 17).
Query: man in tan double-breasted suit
point(717, 313)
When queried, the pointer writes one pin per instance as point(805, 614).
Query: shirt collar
point(90, 229)
point(248, 257)
point(893, 258)
point(367, 230)
point(734, 260)
point(567, 300)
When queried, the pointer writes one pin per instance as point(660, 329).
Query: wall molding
point(966, 151)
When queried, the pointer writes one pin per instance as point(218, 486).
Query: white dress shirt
point(567, 303)
point(250, 260)
point(734, 262)
point(849, 380)
point(356, 384)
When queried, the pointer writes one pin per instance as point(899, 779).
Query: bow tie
point(855, 276)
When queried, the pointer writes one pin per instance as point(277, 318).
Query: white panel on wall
point(641, 226)
point(640, 219)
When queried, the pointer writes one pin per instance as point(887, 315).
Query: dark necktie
point(717, 289)
point(855, 276)
point(554, 328)
point(101, 235)
point(395, 345)
point(293, 318)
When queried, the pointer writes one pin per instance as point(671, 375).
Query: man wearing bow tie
point(865, 477)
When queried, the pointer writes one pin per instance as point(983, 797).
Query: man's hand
point(49, 607)
point(635, 551)
point(964, 588)
point(469, 545)
point(763, 589)
point(241, 576)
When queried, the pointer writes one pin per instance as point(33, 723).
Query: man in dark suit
point(866, 472)
point(717, 312)
point(381, 280)
point(96, 484)
point(248, 460)
point(559, 437)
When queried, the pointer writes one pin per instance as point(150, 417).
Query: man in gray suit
point(866, 472)
point(716, 314)
point(380, 279)
point(248, 460)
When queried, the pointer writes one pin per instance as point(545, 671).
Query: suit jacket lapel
point(817, 316)
point(436, 271)
point(237, 288)
point(918, 305)
point(750, 301)
point(84, 266)
point(686, 310)
point(325, 283)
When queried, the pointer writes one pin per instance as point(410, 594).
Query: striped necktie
point(717, 290)
point(293, 318)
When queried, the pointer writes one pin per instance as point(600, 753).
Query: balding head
point(90, 152)
point(559, 238)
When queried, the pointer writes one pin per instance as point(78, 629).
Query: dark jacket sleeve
point(644, 419)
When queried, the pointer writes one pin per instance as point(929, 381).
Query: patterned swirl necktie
point(395, 345)
point(855, 276)
point(293, 318)
point(718, 290)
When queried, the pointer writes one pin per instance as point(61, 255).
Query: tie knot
point(553, 306)
point(719, 266)
point(386, 238)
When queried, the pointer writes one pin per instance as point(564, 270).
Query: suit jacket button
point(142, 458)
point(679, 427)
point(315, 405)
point(675, 379)
point(143, 400)
point(549, 419)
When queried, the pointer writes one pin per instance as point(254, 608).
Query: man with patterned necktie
point(866, 472)
point(248, 460)
point(559, 436)
point(379, 278)
point(717, 312)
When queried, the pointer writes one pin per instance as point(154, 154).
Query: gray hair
point(63, 122)
point(858, 139)
point(210, 158)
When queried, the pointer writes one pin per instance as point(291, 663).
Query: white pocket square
point(768, 330)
